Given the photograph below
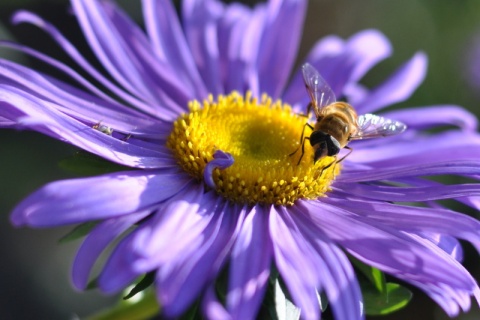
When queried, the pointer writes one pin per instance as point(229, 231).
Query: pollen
point(261, 135)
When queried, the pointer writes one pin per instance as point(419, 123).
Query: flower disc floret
point(261, 135)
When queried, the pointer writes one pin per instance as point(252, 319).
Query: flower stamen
point(260, 135)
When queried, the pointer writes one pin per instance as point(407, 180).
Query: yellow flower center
point(260, 135)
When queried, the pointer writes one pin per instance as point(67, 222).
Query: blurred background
point(35, 269)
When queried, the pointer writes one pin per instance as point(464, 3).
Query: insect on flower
point(103, 128)
point(338, 122)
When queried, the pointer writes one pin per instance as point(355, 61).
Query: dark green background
point(34, 269)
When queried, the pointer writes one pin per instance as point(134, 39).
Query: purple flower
point(212, 185)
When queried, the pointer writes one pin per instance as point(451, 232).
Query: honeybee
point(337, 122)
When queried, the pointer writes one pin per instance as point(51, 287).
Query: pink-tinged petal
point(341, 62)
point(337, 276)
point(89, 199)
point(27, 17)
point(97, 241)
point(169, 43)
point(250, 266)
point(439, 115)
point(39, 115)
point(295, 260)
point(397, 88)
point(279, 42)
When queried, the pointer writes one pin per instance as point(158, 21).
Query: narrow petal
point(169, 43)
point(42, 116)
point(337, 276)
point(89, 199)
point(212, 307)
point(439, 115)
point(200, 20)
point(408, 194)
point(397, 88)
point(96, 242)
point(415, 219)
point(279, 42)
point(77, 103)
point(293, 258)
point(28, 17)
point(341, 62)
point(181, 280)
point(249, 267)
point(405, 256)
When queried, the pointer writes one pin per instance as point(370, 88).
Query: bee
point(337, 122)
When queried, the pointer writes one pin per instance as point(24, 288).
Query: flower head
point(203, 116)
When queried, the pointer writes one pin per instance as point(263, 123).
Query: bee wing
point(320, 93)
point(373, 126)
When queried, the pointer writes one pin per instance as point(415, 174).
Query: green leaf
point(78, 232)
point(377, 303)
point(144, 306)
point(375, 276)
point(146, 282)
point(86, 164)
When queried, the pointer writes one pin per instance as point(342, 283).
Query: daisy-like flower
point(202, 114)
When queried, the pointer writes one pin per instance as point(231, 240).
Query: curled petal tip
point(220, 160)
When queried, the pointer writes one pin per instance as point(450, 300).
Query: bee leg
point(128, 136)
point(350, 151)
point(302, 141)
point(303, 149)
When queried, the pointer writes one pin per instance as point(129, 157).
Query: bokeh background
point(35, 269)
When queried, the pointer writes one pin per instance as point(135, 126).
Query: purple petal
point(279, 42)
point(397, 88)
point(97, 241)
point(250, 266)
point(24, 16)
point(201, 29)
point(181, 280)
point(77, 103)
point(90, 199)
point(169, 43)
point(41, 116)
point(448, 244)
point(220, 160)
point(294, 258)
point(337, 276)
point(405, 256)
point(212, 308)
point(117, 273)
point(341, 62)
point(236, 39)
point(407, 194)
point(440, 115)
point(415, 219)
